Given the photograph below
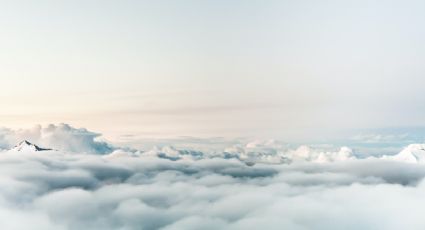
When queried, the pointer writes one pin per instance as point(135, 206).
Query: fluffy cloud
point(154, 193)
point(169, 188)
point(61, 137)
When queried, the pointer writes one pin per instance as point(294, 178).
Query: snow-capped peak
point(414, 153)
point(28, 146)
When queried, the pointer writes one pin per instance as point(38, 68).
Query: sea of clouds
point(87, 183)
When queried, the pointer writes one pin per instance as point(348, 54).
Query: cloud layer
point(258, 185)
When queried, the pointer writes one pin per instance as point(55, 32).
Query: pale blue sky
point(285, 69)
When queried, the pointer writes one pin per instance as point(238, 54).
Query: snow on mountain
point(26, 146)
point(414, 153)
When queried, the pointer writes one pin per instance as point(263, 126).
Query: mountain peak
point(414, 153)
point(28, 146)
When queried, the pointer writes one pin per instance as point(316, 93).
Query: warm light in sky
point(290, 69)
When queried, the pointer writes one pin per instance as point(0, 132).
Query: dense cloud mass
point(61, 137)
point(255, 186)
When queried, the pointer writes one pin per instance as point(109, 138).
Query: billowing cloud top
point(260, 184)
point(61, 137)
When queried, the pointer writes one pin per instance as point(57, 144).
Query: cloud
point(61, 137)
point(131, 192)
point(170, 188)
point(380, 138)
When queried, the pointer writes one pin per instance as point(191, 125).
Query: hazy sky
point(284, 69)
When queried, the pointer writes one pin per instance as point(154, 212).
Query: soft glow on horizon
point(287, 69)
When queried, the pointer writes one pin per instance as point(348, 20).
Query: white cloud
point(316, 189)
point(153, 193)
point(380, 138)
point(61, 137)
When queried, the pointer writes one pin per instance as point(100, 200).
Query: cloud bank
point(169, 188)
point(61, 137)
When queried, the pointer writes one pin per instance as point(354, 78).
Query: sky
point(292, 70)
point(212, 114)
